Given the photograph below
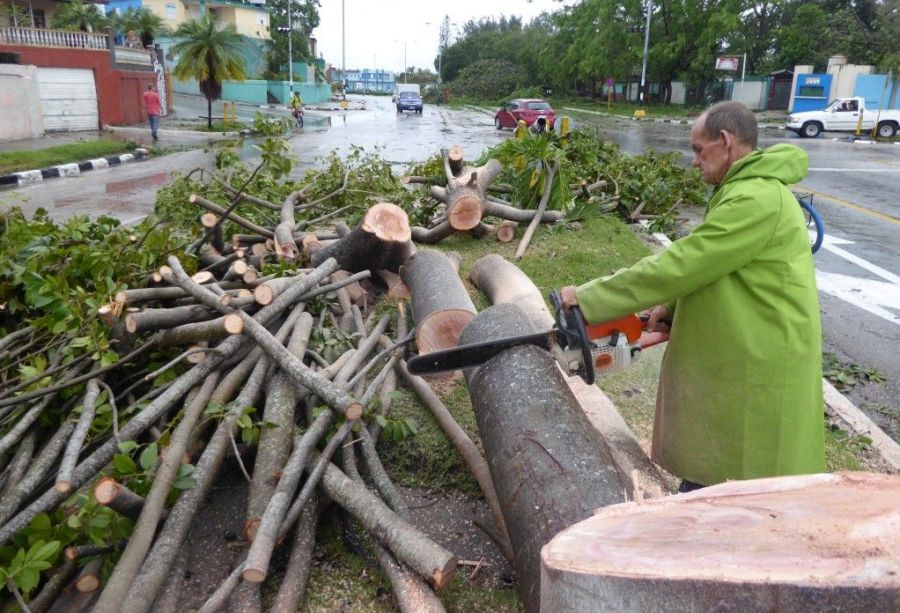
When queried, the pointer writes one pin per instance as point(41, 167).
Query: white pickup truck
point(843, 115)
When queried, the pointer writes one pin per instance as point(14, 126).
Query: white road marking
point(880, 298)
point(854, 169)
point(870, 295)
point(830, 244)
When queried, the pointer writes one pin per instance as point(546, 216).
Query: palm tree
point(79, 15)
point(146, 23)
point(209, 54)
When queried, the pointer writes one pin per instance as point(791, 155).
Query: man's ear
point(727, 138)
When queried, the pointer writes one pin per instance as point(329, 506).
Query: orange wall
point(117, 100)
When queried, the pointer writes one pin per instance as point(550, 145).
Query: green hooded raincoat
point(740, 390)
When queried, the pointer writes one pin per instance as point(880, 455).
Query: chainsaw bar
point(475, 354)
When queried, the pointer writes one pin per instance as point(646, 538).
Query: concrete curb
point(26, 177)
point(838, 404)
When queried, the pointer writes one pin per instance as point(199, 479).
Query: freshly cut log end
point(208, 220)
point(465, 213)
point(63, 487)
point(440, 303)
point(204, 276)
point(87, 584)
point(354, 411)
point(263, 294)
point(443, 576)
point(233, 323)
point(506, 231)
point(251, 526)
point(441, 330)
point(253, 575)
point(803, 543)
point(387, 222)
point(455, 159)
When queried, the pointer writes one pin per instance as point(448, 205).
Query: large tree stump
point(550, 467)
point(806, 543)
point(382, 240)
point(440, 303)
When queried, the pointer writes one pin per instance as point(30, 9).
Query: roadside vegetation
point(576, 49)
point(14, 161)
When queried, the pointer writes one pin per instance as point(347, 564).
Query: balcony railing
point(38, 37)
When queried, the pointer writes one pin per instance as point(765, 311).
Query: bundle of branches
point(601, 178)
point(106, 459)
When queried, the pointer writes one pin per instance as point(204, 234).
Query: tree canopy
point(580, 46)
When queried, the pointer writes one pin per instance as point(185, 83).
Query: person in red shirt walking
point(151, 103)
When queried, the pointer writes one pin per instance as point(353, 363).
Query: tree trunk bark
point(73, 447)
point(504, 282)
point(296, 575)
point(440, 303)
point(802, 543)
point(382, 240)
point(151, 320)
point(550, 467)
point(244, 223)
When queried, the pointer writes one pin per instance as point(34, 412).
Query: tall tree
point(209, 53)
point(78, 15)
point(304, 19)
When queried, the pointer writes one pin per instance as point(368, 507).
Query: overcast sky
point(377, 30)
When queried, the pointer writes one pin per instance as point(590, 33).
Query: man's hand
point(659, 320)
point(567, 294)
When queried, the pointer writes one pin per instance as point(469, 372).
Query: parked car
point(844, 115)
point(409, 101)
point(528, 109)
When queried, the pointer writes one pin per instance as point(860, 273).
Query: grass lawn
point(626, 109)
point(14, 161)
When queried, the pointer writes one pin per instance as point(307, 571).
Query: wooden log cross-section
point(828, 542)
point(550, 466)
point(382, 240)
point(440, 303)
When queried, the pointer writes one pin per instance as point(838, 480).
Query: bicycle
point(813, 219)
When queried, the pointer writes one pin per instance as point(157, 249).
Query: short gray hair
point(732, 117)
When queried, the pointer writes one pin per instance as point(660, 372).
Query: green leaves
point(25, 568)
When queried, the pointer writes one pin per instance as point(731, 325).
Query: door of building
point(68, 99)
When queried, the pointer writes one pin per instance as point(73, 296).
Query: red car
point(528, 109)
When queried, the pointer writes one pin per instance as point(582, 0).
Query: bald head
point(732, 117)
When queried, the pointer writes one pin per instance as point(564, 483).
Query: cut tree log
point(550, 467)
point(151, 320)
point(805, 543)
point(440, 303)
point(89, 577)
point(542, 206)
point(285, 246)
point(219, 211)
point(465, 191)
point(73, 447)
point(110, 493)
point(506, 231)
point(382, 240)
point(396, 288)
point(504, 282)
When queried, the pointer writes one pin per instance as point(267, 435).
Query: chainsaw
point(582, 349)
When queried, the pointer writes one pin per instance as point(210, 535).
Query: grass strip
point(14, 161)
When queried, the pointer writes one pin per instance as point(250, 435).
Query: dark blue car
point(409, 101)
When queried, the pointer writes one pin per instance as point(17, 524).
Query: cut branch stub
point(382, 240)
point(465, 192)
point(440, 303)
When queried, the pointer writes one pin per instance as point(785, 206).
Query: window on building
point(40, 21)
point(812, 91)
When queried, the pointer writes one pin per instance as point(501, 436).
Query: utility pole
point(646, 46)
point(343, 52)
point(404, 62)
point(290, 34)
point(443, 41)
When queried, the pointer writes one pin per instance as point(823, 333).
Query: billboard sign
point(728, 62)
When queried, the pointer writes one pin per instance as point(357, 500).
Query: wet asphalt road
point(856, 188)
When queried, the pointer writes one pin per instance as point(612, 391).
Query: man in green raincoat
point(740, 390)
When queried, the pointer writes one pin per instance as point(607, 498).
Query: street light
point(646, 45)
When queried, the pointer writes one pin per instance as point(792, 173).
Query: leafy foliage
point(78, 15)
point(209, 53)
point(486, 79)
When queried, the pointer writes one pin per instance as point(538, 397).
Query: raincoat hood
point(785, 163)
